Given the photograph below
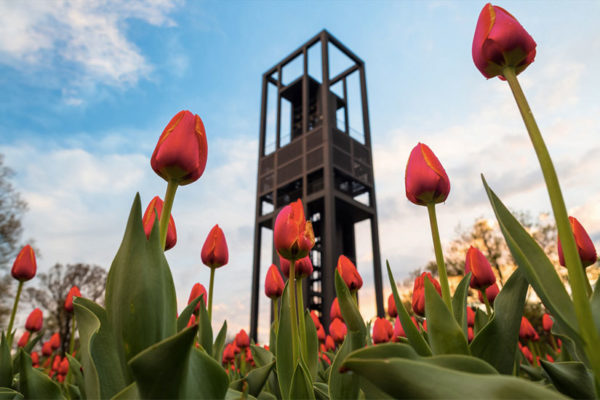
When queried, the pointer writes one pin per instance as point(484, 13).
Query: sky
point(88, 86)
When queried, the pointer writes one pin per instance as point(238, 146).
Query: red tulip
point(392, 311)
point(398, 330)
point(63, 368)
point(55, 341)
point(329, 343)
point(470, 316)
point(46, 349)
point(491, 292)
point(192, 321)
point(214, 251)
point(382, 331)
point(242, 340)
point(470, 334)
point(418, 297)
point(155, 208)
point(321, 333)
point(34, 321)
point(426, 180)
point(526, 331)
point(349, 273)
point(228, 354)
point(302, 267)
point(337, 330)
point(274, 283)
point(482, 275)
point(547, 322)
point(585, 246)
point(325, 358)
point(24, 339)
point(24, 267)
point(549, 358)
point(527, 353)
point(197, 291)
point(293, 235)
point(500, 41)
point(35, 359)
point(236, 349)
point(315, 318)
point(322, 348)
point(181, 152)
point(334, 311)
point(56, 363)
point(74, 292)
point(424, 324)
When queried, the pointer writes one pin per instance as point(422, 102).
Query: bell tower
point(315, 144)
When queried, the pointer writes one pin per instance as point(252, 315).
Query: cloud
point(86, 38)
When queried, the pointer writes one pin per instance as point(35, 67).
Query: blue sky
point(87, 88)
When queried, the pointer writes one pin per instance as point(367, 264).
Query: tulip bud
point(329, 343)
point(74, 292)
point(197, 291)
point(334, 311)
point(181, 152)
point(302, 267)
point(425, 179)
point(527, 353)
point(315, 318)
point(326, 359)
point(236, 349)
point(491, 292)
point(482, 275)
point(46, 349)
point(192, 321)
point(585, 246)
point(382, 331)
point(418, 297)
point(337, 330)
point(526, 331)
point(392, 311)
point(500, 41)
point(214, 251)
point(63, 367)
point(424, 325)
point(547, 322)
point(549, 358)
point(35, 358)
point(322, 348)
point(34, 321)
point(293, 236)
point(349, 273)
point(55, 341)
point(24, 267)
point(228, 354)
point(24, 339)
point(242, 340)
point(153, 210)
point(274, 283)
point(470, 334)
point(470, 317)
point(56, 363)
point(321, 333)
point(398, 330)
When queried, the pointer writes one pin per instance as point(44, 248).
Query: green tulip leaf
point(312, 346)
point(73, 391)
point(219, 344)
point(411, 331)
point(415, 379)
point(595, 306)
point(104, 363)
point(205, 378)
point(496, 342)
point(186, 314)
point(140, 295)
point(321, 391)
point(6, 367)
point(261, 355)
point(273, 338)
point(459, 302)
point(205, 334)
point(75, 372)
point(9, 394)
point(128, 393)
point(301, 387)
point(445, 335)
point(160, 369)
point(33, 383)
point(341, 385)
point(348, 307)
point(266, 396)
point(256, 379)
point(233, 394)
point(571, 378)
point(481, 320)
point(536, 267)
point(285, 358)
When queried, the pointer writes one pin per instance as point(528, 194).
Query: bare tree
point(51, 293)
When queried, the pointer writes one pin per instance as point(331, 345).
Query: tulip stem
point(486, 301)
point(573, 262)
point(210, 293)
point(72, 341)
point(12, 314)
point(275, 313)
point(166, 212)
point(300, 300)
point(439, 256)
point(294, 317)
